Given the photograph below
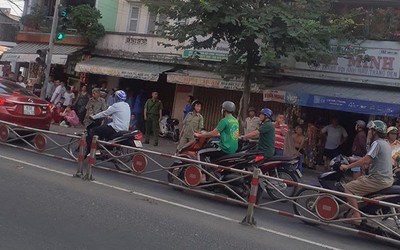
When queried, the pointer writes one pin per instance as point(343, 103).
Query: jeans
point(278, 151)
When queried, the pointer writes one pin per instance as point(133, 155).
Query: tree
point(86, 20)
point(259, 32)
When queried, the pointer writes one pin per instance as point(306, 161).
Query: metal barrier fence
point(321, 206)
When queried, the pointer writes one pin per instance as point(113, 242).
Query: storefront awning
point(208, 79)
point(123, 68)
point(27, 52)
point(363, 100)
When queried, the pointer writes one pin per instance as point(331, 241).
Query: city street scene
point(200, 124)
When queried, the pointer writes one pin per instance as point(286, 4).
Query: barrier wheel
point(139, 163)
point(192, 176)
point(4, 133)
point(306, 206)
point(40, 142)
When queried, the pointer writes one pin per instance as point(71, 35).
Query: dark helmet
point(195, 102)
point(251, 109)
point(360, 124)
point(229, 106)
point(267, 112)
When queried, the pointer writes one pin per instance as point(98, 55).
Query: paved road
point(43, 207)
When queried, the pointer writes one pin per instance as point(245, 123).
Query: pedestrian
point(95, 105)
point(11, 76)
point(103, 90)
point(21, 81)
point(110, 98)
point(152, 116)
point(335, 135)
point(133, 123)
point(193, 123)
point(49, 89)
point(131, 99)
point(359, 148)
point(394, 144)
point(29, 85)
point(81, 102)
point(281, 129)
point(69, 97)
point(188, 107)
point(70, 117)
point(56, 97)
point(56, 112)
point(299, 141)
point(138, 108)
point(252, 122)
point(311, 144)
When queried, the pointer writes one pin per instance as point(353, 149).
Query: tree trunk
point(246, 93)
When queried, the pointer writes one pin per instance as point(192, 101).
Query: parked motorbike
point(314, 204)
point(169, 128)
point(126, 138)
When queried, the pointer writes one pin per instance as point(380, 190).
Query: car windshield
point(10, 88)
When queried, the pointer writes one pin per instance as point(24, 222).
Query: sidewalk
point(165, 146)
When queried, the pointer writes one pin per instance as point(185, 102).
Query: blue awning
point(362, 100)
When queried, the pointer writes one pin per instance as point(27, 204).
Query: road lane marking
point(174, 204)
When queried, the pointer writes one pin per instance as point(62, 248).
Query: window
point(134, 19)
point(154, 19)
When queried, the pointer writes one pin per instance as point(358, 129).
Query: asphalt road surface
point(44, 207)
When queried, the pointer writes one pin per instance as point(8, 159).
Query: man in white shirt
point(56, 97)
point(336, 135)
point(50, 89)
point(252, 122)
point(69, 97)
point(121, 117)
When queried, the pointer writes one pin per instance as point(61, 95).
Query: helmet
point(195, 102)
point(377, 125)
point(229, 106)
point(392, 129)
point(251, 109)
point(267, 112)
point(360, 124)
point(120, 95)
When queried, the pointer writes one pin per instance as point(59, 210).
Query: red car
point(22, 107)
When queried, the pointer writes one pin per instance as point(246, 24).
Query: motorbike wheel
point(175, 136)
point(284, 188)
point(305, 206)
point(123, 163)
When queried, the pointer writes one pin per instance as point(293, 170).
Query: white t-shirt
point(56, 95)
point(68, 97)
point(121, 116)
point(335, 135)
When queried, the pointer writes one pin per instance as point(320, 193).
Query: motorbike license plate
point(29, 110)
point(299, 173)
point(138, 143)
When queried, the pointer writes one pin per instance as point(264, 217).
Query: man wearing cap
point(95, 105)
point(252, 122)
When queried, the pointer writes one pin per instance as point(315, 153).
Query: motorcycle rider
point(265, 133)
point(380, 172)
point(228, 129)
point(121, 114)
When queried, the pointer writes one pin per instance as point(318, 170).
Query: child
point(69, 97)
point(56, 111)
point(70, 117)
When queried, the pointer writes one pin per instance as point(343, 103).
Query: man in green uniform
point(95, 105)
point(228, 129)
point(193, 123)
point(152, 115)
point(265, 133)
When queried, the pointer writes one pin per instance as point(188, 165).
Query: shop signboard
point(343, 104)
point(274, 96)
point(371, 61)
point(217, 54)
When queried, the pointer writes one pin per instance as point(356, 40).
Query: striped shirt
point(279, 136)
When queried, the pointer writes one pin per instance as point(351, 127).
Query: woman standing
point(81, 102)
point(193, 123)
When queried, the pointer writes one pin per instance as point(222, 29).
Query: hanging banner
point(274, 96)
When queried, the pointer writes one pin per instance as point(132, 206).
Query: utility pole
point(51, 49)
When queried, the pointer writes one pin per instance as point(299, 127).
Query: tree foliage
point(259, 32)
point(86, 20)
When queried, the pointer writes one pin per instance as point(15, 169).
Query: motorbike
point(169, 128)
point(327, 207)
point(106, 152)
point(246, 158)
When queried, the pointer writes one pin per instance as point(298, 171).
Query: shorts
point(331, 153)
point(364, 185)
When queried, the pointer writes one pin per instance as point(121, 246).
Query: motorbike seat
point(280, 158)
point(231, 156)
point(122, 134)
point(395, 189)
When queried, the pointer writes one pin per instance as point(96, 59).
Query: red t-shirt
point(279, 136)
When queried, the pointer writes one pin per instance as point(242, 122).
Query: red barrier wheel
point(40, 142)
point(139, 163)
point(192, 176)
point(4, 133)
point(327, 207)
